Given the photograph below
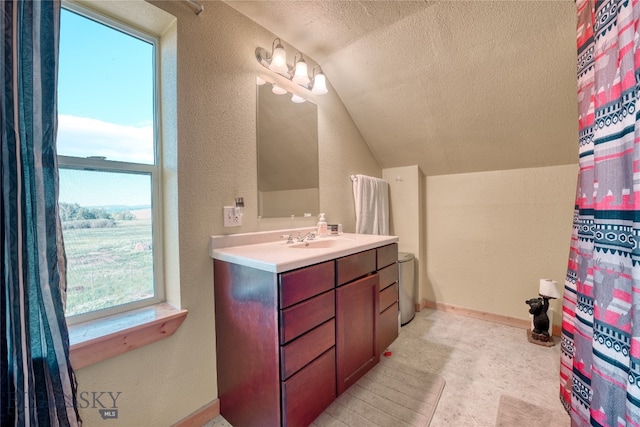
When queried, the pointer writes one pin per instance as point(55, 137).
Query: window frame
point(154, 170)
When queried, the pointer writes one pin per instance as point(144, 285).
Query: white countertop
point(276, 255)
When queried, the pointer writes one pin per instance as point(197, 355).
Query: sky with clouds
point(105, 108)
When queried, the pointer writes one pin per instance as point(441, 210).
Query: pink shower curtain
point(600, 358)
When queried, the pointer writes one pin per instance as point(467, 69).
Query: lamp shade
point(549, 288)
point(300, 75)
point(297, 99)
point(278, 90)
point(319, 84)
point(279, 60)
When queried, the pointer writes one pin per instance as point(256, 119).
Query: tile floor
point(480, 361)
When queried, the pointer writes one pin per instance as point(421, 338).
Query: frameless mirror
point(287, 144)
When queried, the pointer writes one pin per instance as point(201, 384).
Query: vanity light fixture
point(276, 61)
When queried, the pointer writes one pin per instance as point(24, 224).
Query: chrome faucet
point(309, 236)
point(289, 237)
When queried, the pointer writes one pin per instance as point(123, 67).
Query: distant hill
point(119, 208)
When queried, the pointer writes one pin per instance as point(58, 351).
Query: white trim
point(104, 19)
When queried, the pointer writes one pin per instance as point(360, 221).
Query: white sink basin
point(269, 252)
point(321, 244)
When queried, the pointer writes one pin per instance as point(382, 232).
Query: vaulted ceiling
point(452, 86)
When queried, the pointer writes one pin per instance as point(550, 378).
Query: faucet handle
point(289, 237)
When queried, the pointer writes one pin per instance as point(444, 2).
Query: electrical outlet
point(231, 219)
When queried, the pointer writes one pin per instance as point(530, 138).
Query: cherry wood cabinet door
point(356, 321)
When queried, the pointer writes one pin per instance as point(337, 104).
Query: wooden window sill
point(100, 339)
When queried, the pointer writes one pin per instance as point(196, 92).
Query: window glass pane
point(106, 87)
point(106, 222)
point(106, 110)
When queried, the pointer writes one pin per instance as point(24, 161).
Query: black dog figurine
point(538, 307)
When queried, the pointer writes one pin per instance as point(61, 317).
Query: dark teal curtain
point(38, 384)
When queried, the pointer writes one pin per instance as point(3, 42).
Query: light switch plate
point(230, 217)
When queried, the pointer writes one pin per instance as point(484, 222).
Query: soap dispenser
point(322, 226)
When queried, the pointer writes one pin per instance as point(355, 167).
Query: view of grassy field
point(108, 266)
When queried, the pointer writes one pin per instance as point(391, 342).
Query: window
point(108, 160)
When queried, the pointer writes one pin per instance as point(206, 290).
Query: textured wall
point(492, 235)
point(451, 86)
point(216, 162)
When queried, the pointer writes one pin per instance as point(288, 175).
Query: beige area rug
point(516, 412)
point(391, 394)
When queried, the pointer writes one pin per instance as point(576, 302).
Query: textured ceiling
point(452, 86)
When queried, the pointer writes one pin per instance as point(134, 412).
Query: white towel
point(371, 197)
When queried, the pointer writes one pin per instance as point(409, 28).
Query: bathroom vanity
point(297, 324)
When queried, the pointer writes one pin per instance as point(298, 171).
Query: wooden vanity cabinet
point(288, 343)
point(275, 338)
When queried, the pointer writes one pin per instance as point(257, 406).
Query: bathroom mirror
point(287, 144)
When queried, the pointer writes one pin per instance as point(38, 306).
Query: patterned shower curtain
point(37, 385)
point(600, 357)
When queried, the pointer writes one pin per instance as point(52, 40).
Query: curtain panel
point(37, 382)
point(600, 349)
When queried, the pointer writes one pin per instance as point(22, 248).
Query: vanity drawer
point(388, 275)
point(299, 285)
point(304, 349)
point(387, 255)
point(353, 266)
point(387, 327)
point(302, 317)
point(388, 297)
point(306, 394)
